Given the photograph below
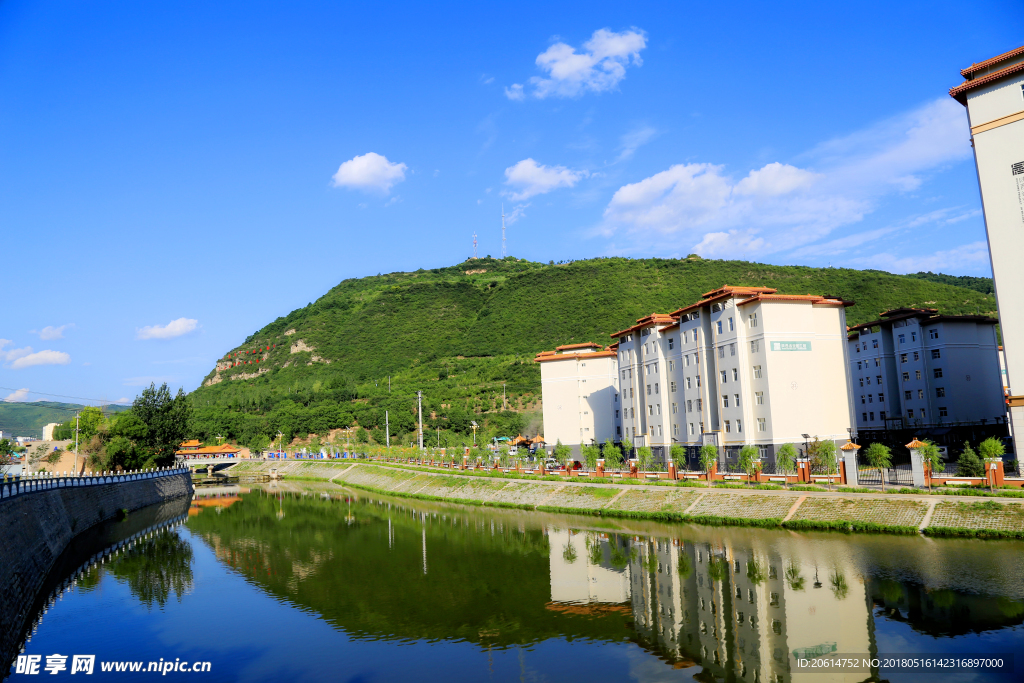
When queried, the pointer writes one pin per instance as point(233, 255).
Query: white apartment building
point(580, 395)
point(744, 365)
point(993, 94)
point(913, 367)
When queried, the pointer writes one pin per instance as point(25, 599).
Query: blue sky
point(173, 176)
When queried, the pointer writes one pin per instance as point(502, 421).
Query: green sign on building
point(791, 346)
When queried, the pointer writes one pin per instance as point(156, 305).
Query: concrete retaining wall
point(36, 527)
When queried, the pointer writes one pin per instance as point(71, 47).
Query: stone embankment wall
point(36, 527)
point(895, 513)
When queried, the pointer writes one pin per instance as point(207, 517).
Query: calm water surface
point(322, 583)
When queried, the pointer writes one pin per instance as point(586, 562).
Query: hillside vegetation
point(28, 419)
point(461, 333)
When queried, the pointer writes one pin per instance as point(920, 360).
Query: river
point(321, 583)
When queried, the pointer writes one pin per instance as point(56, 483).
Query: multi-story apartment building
point(914, 367)
point(580, 394)
point(744, 365)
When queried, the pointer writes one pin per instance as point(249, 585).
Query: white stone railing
point(46, 481)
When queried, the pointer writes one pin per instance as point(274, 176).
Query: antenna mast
point(503, 253)
point(474, 245)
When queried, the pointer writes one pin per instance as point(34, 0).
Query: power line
point(77, 398)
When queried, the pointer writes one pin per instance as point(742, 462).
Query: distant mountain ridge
point(28, 419)
point(466, 334)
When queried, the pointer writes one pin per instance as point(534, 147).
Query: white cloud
point(965, 256)
point(517, 212)
point(175, 328)
point(782, 207)
point(528, 179)
point(45, 357)
point(19, 395)
point(48, 333)
point(600, 67)
point(123, 400)
point(634, 140)
point(369, 172)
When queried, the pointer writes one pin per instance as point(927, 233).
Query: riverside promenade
point(902, 513)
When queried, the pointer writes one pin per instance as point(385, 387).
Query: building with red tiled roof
point(993, 93)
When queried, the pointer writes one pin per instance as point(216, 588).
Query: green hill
point(461, 333)
point(28, 419)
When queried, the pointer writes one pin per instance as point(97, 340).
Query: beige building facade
point(993, 94)
point(580, 395)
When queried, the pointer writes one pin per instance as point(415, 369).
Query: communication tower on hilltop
point(474, 245)
point(503, 254)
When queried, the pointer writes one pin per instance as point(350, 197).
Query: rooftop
point(988, 71)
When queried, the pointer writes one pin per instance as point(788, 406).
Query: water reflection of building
point(742, 614)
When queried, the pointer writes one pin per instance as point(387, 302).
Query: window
point(655, 388)
point(943, 412)
point(856, 347)
point(933, 334)
point(735, 375)
point(700, 406)
point(858, 365)
point(903, 339)
point(913, 336)
point(650, 410)
point(878, 379)
point(881, 398)
point(755, 346)
point(689, 406)
point(861, 381)
point(736, 398)
point(752, 319)
point(675, 408)
point(718, 326)
point(759, 398)
point(910, 412)
point(872, 416)
point(864, 417)
point(672, 387)
point(757, 372)
point(871, 398)
point(937, 373)
point(623, 374)
point(867, 380)
point(725, 378)
point(732, 349)
point(920, 393)
point(691, 429)
point(908, 395)
point(739, 425)
point(728, 427)
point(878, 362)
point(906, 376)
point(698, 381)
point(874, 344)
point(671, 343)
point(903, 358)
point(721, 352)
point(922, 413)
point(936, 354)
point(917, 356)
point(645, 349)
point(917, 374)
point(725, 400)
point(671, 365)
point(731, 328)
point(881, 415)
point(940, 392)
point(618, 431)
point(616, 415)
point(686, 360)
point(863, 399)
point(659, 409)
point(686, 336)
point(762, 425)
point(648, 389)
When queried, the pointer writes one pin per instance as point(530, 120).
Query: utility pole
point(387, 423)
point(389, 384)
point(76, 445)
point(419, 402)
point(504, 405)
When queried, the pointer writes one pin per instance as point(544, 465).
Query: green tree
point(879, 456)
point(168, 421)
point(933, 458)
point(259, 443)
point(750, 460)
point(785, 460)
point(590, 455)
point(362, 436)
point(644, 457)
point(968, 464)
point(991, 449)
point(562, 452)
point(678, 455)
point(827, 457)
point(708, 458)
point(612, 455)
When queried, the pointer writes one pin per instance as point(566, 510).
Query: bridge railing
point(36, 482)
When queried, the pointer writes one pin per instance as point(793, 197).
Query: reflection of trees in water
point(156, 568)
